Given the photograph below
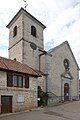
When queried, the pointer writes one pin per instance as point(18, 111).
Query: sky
point(61, 18)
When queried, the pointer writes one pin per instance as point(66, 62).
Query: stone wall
point(19, 46)
point(57, 68)
point(15, 44)
point(22, 98)
point(30, 56)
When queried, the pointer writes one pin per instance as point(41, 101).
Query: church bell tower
point(25, 38)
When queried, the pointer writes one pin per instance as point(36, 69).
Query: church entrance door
point(66, 91)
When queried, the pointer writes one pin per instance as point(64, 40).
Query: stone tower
point(25, 38)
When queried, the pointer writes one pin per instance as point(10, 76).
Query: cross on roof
point(25, 4)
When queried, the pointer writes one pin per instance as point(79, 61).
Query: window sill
point(14, 89)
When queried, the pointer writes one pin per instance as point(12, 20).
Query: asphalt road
point(68, 111)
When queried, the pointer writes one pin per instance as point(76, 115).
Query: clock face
point(33, 46)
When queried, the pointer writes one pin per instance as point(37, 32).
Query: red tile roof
point(8, 64)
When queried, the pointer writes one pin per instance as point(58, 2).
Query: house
point(18, 86)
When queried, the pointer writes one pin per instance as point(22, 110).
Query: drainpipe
point(46, 75)
point(61, 88)
point(43, 52)
point(46, 90)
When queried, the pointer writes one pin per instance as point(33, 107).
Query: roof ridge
point(23, 10)
point(65, 42)
point(4, 58)
point(57, 46)
point(13, 65)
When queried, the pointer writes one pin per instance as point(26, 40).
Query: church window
point(33, 31)
point(15, 31)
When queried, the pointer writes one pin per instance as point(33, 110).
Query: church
point(30, 70)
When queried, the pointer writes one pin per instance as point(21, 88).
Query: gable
point(64, 51)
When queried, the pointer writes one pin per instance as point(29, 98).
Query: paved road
point(68, 111)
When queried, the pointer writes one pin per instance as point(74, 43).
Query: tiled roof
point(8, 64)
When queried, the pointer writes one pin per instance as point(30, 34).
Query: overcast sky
point(61, 17)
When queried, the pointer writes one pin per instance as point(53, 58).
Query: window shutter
point(9, 79)
point(26, 81)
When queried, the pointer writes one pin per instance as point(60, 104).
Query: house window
point(15, 31)
point(15, 81)
point(18, 81)
point(33, 31)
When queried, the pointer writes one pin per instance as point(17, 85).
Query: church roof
point(13, 65)
point(55, 48)
point(28, 14)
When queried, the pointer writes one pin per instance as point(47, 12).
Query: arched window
point(33, 31)
point(15, 31)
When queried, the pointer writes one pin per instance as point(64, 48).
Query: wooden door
point(66, 91)
point(6, 104)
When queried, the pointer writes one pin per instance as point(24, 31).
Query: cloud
point(3, 47)
point(49, 45)
point(62, 18)
point(64, 26)
point(1, 23)
point(4, 53)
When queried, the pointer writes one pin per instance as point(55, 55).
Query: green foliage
point(43, 97)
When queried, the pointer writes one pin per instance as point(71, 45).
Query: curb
point(21, 112)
